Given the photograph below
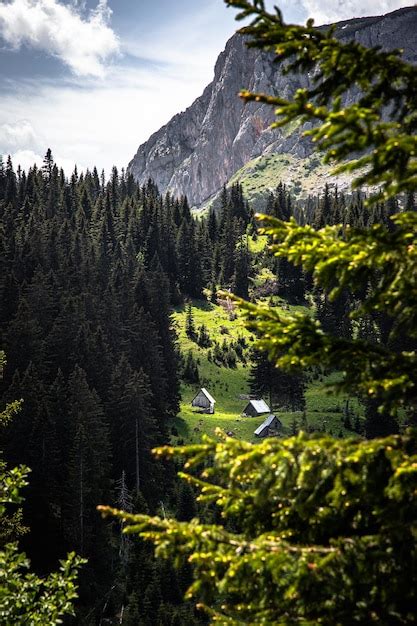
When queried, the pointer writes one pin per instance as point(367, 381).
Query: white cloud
point(16, 135)
point(26, 147)
point(328, 11)
point(84, 43)
point(25, 158)
point(101, 124)
point(29, 158)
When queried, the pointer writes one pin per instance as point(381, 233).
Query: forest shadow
point(201, 305)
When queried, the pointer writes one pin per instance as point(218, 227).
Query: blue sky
point(93, 79)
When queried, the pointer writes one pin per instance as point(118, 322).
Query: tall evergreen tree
point(89, 459)
point(281, 389)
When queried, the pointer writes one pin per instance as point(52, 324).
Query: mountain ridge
point(202, 148)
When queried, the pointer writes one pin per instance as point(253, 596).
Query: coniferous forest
point(119, 302)
point(90, 270)
point(85, 306)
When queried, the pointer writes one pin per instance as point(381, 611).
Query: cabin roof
point(269, 420)
point(207, 394)
point(260, 406)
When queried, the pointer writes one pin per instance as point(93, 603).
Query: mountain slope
point(200, 149)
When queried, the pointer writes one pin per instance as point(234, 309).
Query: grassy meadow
point(229, 386)
point(303, 176)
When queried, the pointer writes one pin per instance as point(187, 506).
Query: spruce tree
point(240, 283)
point(89, 457)
point(189, 322)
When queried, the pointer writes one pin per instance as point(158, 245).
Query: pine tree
point(189, 322)
point(190, 372)
point(89, 455)
point(186, 504)
point(240, 284)
point(378, 424)
point(138, 430)
point(282, 389)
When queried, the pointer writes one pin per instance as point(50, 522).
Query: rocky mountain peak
point(200, 149)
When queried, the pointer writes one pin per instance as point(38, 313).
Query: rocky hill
point(218, 138)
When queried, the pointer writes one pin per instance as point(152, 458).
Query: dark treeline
point(89, 272)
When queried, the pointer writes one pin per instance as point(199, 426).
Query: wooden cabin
point(255, 408)
point(270, 426)
point(204, 401)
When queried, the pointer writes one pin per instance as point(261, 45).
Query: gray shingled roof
point(208, 395)
point(265, 424)
point(260, 406)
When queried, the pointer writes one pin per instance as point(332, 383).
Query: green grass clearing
point(227, 386)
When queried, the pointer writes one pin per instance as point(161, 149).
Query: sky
point(93, 79)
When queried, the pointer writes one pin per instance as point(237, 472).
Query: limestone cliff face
point(201, 148)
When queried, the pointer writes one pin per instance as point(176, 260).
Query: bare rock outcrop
point(200, 149)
